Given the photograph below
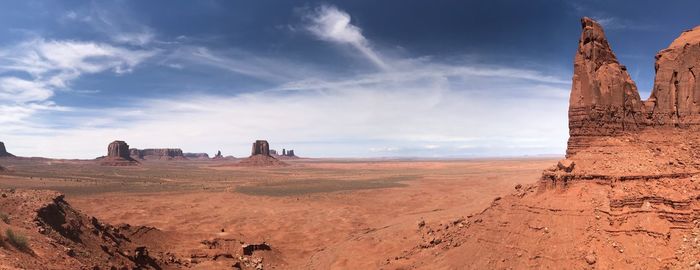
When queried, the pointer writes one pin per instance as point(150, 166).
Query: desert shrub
point(17, 240)
point(5, 218)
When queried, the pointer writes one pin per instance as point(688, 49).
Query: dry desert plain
point(313, 214)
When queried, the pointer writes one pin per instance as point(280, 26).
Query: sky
point(362, 78)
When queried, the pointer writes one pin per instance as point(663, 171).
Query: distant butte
point(118, 155)
point(3, 151)
point(157, 154)
point(260, 156)
point(201, 156)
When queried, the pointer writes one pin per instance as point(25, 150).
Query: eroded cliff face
point(605, 101)
point(260, 147)
point(118, 155)
point(675, 99)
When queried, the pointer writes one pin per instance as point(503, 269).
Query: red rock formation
point(118, 149)
point(260, 147)
point(260, 161)
point(158, 153)
point(675, 99)
point(260, 156)
point(118, 154)
point(3, 151)
point(218, 155)
point(604, 100)
point(196, 155)
point(135, 153)
point(59, 236)
point(629, 180)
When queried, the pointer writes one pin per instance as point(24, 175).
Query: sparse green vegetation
point(5, 218)
point(17, 240)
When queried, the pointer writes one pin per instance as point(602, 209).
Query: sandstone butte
point(260, 156)
point(3, 151)
point(627, 195)
point(118, 155)
point(157, 154)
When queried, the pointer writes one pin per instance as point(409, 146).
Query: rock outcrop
point(287, 154)
point(58, 236)
point(626, 196)
point(260, 147)
point(3, 151)
point(260, 156)
point(604, 100)
point(118, 154)
point(218, 155)
point(202, 156)
point(135, 153)
point(675, 99)
point(158, 153)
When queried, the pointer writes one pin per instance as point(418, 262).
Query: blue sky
point(327, 78)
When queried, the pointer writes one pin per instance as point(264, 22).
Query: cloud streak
point(328, 23)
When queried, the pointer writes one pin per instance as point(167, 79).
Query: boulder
point(566, 165)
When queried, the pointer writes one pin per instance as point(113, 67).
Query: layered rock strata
point(605, 102)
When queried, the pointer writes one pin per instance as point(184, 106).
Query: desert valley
point(624, 195)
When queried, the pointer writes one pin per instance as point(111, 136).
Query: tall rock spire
point(604, 100)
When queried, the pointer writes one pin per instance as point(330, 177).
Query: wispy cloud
point(273, 70)
point(328, 23)
point(114, 22)
point(32, 71)
point(412, 106)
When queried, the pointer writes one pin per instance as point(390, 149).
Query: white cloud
point(21, 91)
point(434, 115)
point(414, 106)
point(32, 71)
point(331, 24)
point(138, 38)
point(240, 62)
point(113, 21)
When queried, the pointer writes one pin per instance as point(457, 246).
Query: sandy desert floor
point(309, 213)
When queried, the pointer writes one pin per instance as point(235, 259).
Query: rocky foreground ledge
point(41, 230)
